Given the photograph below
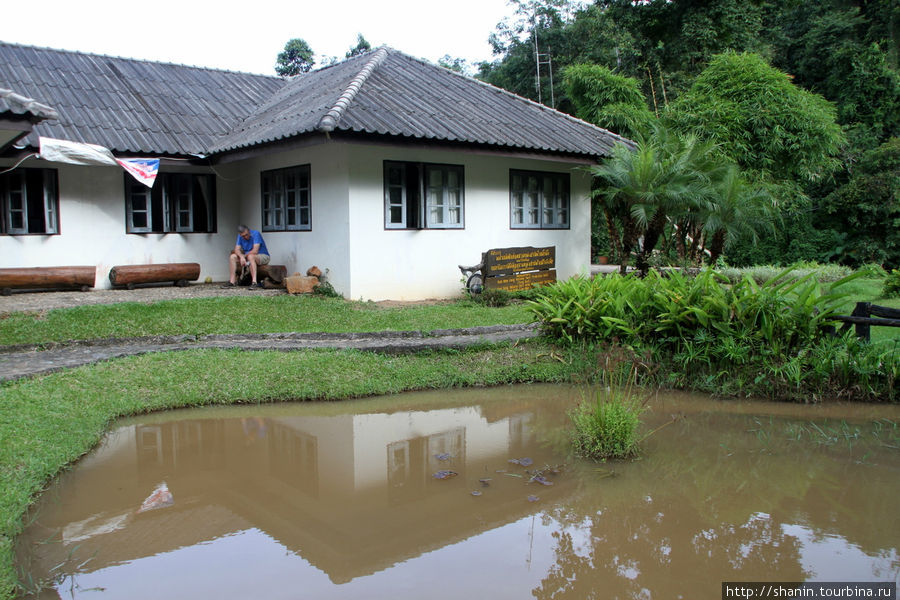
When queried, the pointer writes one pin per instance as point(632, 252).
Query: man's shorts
point(262, 259)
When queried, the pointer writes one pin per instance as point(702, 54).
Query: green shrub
point(891, 287)
point(326, 289)
point(496, 298)
point(773, 339)
point(492, 297)
point(782, 314)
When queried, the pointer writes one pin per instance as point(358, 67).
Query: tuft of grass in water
point(607, 427)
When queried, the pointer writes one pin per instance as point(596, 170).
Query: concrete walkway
point(27, 360)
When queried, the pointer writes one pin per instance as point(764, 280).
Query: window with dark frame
point(285, 195)
point(423, 196)
point(177, 203)
point(538, 200)
point(29, 200)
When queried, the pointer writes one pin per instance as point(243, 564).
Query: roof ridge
point(135, 60)
point(329, 121)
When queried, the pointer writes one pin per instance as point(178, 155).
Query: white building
point(383, 169)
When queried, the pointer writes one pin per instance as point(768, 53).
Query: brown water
point(340, 500)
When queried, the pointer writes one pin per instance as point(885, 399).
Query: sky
point(247, 35)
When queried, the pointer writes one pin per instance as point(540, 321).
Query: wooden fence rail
point(862, 315)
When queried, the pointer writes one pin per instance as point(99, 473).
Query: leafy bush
point(497, 298)
point(773, 339)
point(326, 289)
point(891, 287)
point(785, 313)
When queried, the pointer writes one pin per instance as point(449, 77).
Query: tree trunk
point(651, 237)
point(615, 241)
point(716, 246)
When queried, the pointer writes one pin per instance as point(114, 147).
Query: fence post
point(863, 309)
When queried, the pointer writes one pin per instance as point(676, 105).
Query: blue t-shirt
point(255, 238)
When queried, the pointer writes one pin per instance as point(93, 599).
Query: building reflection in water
point(352, 500)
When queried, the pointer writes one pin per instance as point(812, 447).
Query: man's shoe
point(227, 284)
point(254, 286)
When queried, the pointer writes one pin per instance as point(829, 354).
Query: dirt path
point(25, 361)
point(28, 360)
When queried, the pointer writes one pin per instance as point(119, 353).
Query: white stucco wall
point(419, 264)
point(325, 245)
point(348, 240)
point(92, 228)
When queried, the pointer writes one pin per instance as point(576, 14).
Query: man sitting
point(249, 252)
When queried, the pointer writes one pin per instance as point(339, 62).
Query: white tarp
point(78, 153)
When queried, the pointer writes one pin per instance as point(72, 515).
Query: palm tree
point(664, 176)
point(737, 211)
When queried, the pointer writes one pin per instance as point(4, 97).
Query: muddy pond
point(469, 494)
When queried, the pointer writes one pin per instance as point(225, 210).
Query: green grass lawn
point(275, 314)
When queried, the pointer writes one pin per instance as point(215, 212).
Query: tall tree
point(761, 119)
point(866, 210)
point(737, 211)
point(612, 101)
point(362, 46)
point(296, 58)
point(664, 177)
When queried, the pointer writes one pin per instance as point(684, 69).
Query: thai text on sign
point(504, 261)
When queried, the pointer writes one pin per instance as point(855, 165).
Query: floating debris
point(525, 462)
point(445, 474)
point(476, 493)
point(485, 482)
point(533, 498)
point(540, 479)
point(443, 456)
point(161, 497)
point(514, 475)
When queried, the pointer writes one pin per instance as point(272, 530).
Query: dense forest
point(765, 131)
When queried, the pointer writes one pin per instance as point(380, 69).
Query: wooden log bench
point(47, 278)
point(130, 275)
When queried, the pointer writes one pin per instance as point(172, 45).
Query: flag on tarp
point(142, 169)
point(78, 153)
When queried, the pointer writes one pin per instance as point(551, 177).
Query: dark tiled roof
point(16, 104)
point(390, 93)
point(139, 107)
point(132, 106)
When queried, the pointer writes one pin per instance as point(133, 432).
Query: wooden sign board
point(506, 261)
point(520, 282)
